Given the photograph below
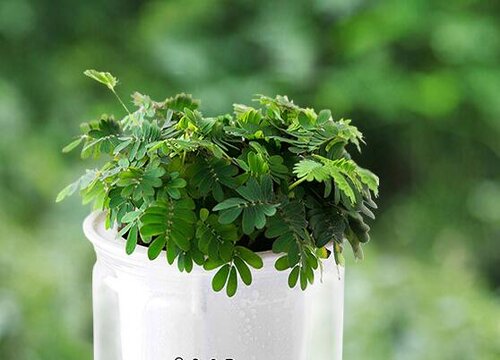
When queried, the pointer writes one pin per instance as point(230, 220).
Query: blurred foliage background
point(420, 78)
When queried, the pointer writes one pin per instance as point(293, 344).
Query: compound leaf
point(103, 77)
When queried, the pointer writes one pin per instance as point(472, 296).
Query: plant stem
point(298, 182)
point(183, 157)
point(121, 102)
point(125, 107)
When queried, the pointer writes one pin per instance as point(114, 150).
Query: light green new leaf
point(346, 174)
point(67, 191)
point(88, 183)
point(343, 184)
point(72, 145)
point(369, 179)
point(310, 170)
point(103, 77)
point(323, 116)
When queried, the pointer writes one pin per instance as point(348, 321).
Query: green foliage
point(289, 229)
point(168, 222)
point(215, 240)
point(278, 175)
point(211, 175)
point(227, 274)
point(349, 179)
point(256, 203)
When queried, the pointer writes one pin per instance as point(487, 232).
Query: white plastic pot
point(148, 310)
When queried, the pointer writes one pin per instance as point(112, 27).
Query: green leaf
point(173, 185)
point(323, 116)
point(181, 262)
point(303, 279)
point(213, 176)
point(257, 164)
point(181, 101)
point(309, 274)
point(343, 184)
point(256, 205)
point(103, 77)
point(327, 222)
point(172, 219)
point(293, 277)
point(278, 169)
point(288, 226)
point(249, 257)
point(149, 230)
point(359, 228)
point(216, 240)
point(311, 170)
point(67, 191)
point(243, 270)
point(102, 137)
point(172, 252)
point(182, 241)
point(293, 254)
point(72, 145)
point(226, 249)
point(353, 239)
point(232, 283)
point(131, 216)
point(89, 184)
point(229, 203)
point(188, 263)
point(220, 278)
point(131, 240)
point(370, 179)
point(312, 260)
point(306, 120)
point(282, 263)
point(229, 215)
point(250, 220)
point(211, 264)
point(250, 123)
point(197, 256)
point(347, 175)
point(251, 191)
point(156, 247)
point(204, 214)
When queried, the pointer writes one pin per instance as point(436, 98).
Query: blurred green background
point(420, 78)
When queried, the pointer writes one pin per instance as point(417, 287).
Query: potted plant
point(221, 237)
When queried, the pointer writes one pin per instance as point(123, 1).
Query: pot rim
point(108, 243)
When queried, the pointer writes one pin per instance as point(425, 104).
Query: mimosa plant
point(216, 191)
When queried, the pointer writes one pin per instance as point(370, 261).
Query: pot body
point(148, 310)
